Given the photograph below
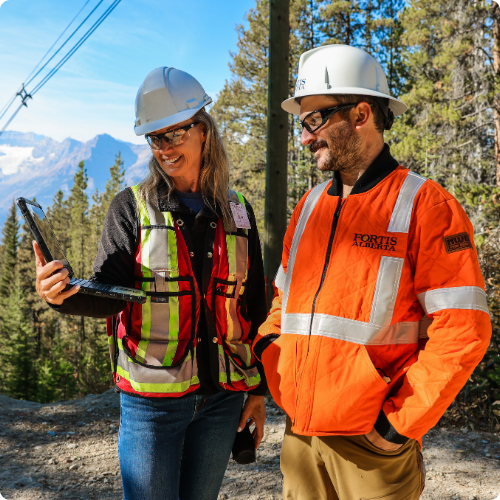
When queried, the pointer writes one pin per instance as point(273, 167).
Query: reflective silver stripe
point(460, 297)
point(352, 330)
point(305, 213)
point(279, 281)
point(401, 215)
point(378, 331)
point(386, 290)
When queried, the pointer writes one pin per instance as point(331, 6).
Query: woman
point(182, 361)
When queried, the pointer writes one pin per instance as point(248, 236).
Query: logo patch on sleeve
point(457, 242)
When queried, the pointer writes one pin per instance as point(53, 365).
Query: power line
point(24, 94)
point(13, 98)
point(55, 43)
point(8, 105)
point(66, 41)
point(76, 47)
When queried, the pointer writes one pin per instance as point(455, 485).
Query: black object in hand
point(244, 447)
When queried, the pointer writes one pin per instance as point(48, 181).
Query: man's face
point(336, 145)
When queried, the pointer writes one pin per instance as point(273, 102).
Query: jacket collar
point(381, 167)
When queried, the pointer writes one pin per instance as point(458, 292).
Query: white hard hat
point(340, 69)
point(166, 97)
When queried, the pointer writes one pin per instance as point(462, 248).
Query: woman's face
point(184, 160)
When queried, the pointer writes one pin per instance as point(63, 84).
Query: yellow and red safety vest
point(153, 346)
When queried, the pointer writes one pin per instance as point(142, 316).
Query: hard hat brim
point(147, 128)
point(293, 107)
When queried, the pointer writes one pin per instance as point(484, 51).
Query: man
point(380, 314)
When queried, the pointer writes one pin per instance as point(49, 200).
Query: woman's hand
point(254, 410)
point(51, 279)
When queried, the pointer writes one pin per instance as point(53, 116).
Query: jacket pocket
point(372, 367)
point(347, 390)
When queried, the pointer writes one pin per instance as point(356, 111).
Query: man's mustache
point(321, 143)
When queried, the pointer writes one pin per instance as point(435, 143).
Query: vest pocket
point(164, 340)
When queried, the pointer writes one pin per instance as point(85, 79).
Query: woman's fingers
point(39, 258)
point(52, 279)
point(255, 411)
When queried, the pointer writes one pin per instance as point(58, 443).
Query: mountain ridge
point(33, 165)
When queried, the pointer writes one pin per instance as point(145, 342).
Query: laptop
point(51, 250)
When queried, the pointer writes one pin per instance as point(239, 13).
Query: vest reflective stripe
point(159, 261)
point(251, 377)
point(143, 379)
point(460, 297)
point(155, 386)
point(237, 259)
point(378, 330)
point(401, 215)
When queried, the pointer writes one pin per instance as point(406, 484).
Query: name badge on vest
point(240, 215)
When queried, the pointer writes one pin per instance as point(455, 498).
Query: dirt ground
point(67, 450)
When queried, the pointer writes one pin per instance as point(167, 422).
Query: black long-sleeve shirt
point(115, 262)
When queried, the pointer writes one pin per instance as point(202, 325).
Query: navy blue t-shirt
point(194, 201)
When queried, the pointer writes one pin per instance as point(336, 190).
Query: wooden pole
point(496, 99)
point(277, 139)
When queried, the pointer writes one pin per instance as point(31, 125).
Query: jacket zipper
point(335, 221)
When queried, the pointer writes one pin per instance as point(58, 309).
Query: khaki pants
point(348, 468)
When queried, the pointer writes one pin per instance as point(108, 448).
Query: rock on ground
point(67, 450)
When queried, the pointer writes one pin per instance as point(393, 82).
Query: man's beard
point(344, 149)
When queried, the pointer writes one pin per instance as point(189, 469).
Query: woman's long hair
point(214, 173)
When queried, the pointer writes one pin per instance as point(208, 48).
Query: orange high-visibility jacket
point(380, 314)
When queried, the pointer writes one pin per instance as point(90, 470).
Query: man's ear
point(362, 114)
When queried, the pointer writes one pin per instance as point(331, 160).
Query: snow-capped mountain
point(35, 165)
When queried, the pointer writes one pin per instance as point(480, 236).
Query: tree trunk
point(496, 101)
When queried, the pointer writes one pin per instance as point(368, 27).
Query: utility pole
point(496, 98)
point(277, 139)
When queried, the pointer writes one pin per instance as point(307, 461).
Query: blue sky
point(95, 90)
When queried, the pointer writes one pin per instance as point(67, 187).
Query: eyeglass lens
point(313, 121)
point(173, 138)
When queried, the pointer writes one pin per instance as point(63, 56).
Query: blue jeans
point(176, 448)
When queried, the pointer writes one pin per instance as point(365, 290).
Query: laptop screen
point(47, 234)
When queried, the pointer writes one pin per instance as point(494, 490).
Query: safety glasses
point(170, 138)
point(316, 119)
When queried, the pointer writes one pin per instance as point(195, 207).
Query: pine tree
point(446, 132)
point(59, 216)
point(79, 230)
point(94, 372)
point(10, 242)
point(19, 350)
point(26, 272)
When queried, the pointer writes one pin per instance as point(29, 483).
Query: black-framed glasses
point(316, 119)
point(170, 138)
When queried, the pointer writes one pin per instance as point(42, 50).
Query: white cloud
point(2, 1)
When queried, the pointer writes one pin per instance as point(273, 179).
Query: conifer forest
point(441, 58)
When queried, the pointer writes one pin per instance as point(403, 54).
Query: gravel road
point(67, 450)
